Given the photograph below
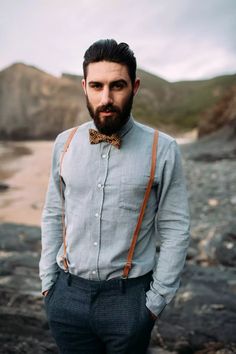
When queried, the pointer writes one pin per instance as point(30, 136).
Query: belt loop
point(69, 279)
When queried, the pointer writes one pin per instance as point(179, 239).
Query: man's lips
point(107, 113)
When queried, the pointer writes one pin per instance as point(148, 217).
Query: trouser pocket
point(48, 297)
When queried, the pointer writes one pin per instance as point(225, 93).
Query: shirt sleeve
point(173, 224)
point(51, 223)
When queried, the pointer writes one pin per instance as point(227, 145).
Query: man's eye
point(118, 86)
point(95, 86)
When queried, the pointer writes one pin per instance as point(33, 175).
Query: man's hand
point(45, 293)
point(153, 317)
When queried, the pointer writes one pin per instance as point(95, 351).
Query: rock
point(23, 325)
point(217, 146)
point(19, 238)
point(213, 202)
point(159, 351)
point(192, 253)
point(219, 247)
point(233, 200)
point(225, 252)
point(221, 114)
point(203, 311)
point(19, 258)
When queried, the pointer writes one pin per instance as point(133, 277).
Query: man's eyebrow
point(94, 82)
point(120, 81)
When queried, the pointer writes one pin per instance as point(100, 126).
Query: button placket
point(99, 197)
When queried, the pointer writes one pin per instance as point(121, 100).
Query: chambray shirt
point(103, 189)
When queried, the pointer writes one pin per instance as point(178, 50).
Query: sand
point(27, 175)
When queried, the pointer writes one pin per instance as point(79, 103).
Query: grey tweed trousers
point(99, 317)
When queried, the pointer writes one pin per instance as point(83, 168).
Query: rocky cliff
point(222, 114)
point(34, 104)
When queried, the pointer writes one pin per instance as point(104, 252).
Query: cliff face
point(217, 132)
point(34, 104)
point(222, 114)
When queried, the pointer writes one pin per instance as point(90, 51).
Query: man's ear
point(136, 85)
point(83, 82)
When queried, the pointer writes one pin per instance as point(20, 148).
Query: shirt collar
point(126, 128)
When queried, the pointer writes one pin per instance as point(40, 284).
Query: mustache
point(108, 108)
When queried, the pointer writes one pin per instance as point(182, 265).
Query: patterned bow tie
point(95, 138)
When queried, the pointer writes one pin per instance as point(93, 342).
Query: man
point(113, 190)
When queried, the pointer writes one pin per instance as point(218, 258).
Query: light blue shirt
point(103, 191)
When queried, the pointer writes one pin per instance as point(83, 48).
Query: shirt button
point(104, 156)
point(99, 185)
point(97, 215)
point(94, 272)
point(95, 243)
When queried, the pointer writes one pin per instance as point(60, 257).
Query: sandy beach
point(24, 166)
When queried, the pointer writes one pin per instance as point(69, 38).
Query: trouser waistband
point(115, 283)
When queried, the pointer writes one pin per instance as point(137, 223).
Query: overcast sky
point(175, 39)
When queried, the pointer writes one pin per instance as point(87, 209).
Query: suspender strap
point(128, 265)
point(66, 146)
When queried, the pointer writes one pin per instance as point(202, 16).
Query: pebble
point(233, 200)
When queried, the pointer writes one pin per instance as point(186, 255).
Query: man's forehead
point(107, 70)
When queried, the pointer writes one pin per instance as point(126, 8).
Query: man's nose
point(106, 97)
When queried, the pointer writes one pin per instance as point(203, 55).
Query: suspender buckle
point(65, 263)
point(124, 277)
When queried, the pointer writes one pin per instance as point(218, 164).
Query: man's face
point(109, 94)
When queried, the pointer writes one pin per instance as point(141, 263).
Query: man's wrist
point(153, 316)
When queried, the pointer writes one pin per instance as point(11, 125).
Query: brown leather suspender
point(143, 207)
point(66, 146)
point(128, 264)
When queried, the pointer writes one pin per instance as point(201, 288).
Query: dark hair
point(110, 50)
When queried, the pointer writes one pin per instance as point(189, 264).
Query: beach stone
point(220, 246)
point(14, 237)
point(203, 310)
point(226, 249)
point(159, 351)
point(233, 200)
point(213, 202)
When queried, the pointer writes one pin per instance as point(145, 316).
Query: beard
point(111, 124)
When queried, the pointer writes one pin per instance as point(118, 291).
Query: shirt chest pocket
point(132, 191)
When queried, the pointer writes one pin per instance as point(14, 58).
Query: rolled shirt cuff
point(48, 281)
point(155, 302)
